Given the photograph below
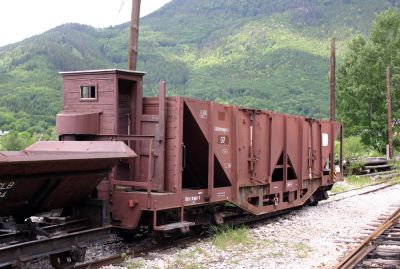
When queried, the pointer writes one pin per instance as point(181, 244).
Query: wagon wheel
point(312, 201)
point(197, 229)
point(163, 238)
point(64, 260)
point(130, 236)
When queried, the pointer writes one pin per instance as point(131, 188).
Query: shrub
point(354, 168)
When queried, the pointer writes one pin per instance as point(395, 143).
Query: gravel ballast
point(312, 237)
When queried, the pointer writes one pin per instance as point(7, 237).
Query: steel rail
point(363, 193)
point(234, 221)
point(357, 255)
point(113, 260)
point(120, 258)
point(388, 173)
point(11, 255)
point(67, 227)
point(360, 188)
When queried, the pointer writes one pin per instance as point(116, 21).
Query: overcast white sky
point(20, 19)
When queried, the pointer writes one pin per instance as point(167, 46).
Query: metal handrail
point(148, 183)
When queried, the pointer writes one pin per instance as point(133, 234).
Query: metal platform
point(173, 226)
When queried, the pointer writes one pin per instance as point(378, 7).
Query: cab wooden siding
point(104, 104)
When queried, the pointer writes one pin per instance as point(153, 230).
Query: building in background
point(2, 133)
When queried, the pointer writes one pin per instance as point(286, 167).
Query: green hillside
point(257, 53)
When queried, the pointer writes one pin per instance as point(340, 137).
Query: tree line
point(361, 82)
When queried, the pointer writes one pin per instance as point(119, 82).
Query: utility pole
point(332, 79)
point(134, 35)
point(389, 112)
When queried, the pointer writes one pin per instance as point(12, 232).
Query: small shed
point(100, 102)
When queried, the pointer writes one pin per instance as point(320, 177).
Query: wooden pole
point(332, 78)
point(134, 35)
point(389, 111)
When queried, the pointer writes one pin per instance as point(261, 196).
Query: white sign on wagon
point(325, 140)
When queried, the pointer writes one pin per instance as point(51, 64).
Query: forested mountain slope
point(258, 53)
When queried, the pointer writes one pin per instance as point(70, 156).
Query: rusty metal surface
point(270, 141)
point(194, 153)
point(173, 226)
point(50, 175)
point(78, 123)
point(62, 157)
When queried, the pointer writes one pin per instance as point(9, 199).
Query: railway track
point(19, 254)
point(389, 175)
point(13, 237)
point(360, 188)
point(120, 258)
point(361, 193)
point(181, 243)
point(380, 250)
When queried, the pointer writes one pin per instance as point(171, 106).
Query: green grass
point(339, 188)
point(198, 251)
point(303, 249)
point(397, 165)
point(185, 261)
point(132, 263)
point(395, 180)
point(227, 236)
point(360, 181)
point(353, 182)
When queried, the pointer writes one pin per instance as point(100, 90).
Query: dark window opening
point(194, 154)
point(220, 178)
point(125, 170)
point(88, 92)
point(285, 197)
point(327, 166)
point(277, 175)
point(254, 201)
point(269, 199)
point(291, 175)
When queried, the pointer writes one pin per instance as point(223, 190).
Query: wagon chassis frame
point(71, 245)
point(63, 239)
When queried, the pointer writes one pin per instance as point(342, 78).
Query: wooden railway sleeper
point(68, 259)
